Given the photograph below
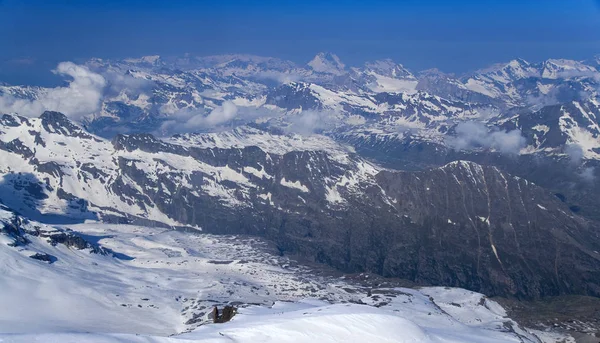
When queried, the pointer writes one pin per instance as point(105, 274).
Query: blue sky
point(455, 36)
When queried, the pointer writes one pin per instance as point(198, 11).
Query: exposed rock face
point(43, 257)
point(460, 225)
point(22, 231)
point(225, 315)
point(471, 223)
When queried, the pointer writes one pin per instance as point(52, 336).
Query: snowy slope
point(571, 130)
point(520, 83)
point(74, 174)
point(327, 63)
point(165, 282)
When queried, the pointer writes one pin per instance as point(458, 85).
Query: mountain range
point(486, 181)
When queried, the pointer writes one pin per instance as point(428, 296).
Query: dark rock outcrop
point(43, 257)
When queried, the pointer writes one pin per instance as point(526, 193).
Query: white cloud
point(473, 135)
point(588, 174)
point(280, 77)
point(222, 114)
point(82, 96)
point(117, 83)
point(309, 122)
point(575, 153)
point(189, 121)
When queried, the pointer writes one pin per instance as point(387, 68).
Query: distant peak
point(152, 59)
point(518, 62)
point(388, 67)
point(384, 63)
point(509, 71)
point(433, 72)
point(563, 68)
point(566, 63)
point(54, 116)
point(326, 62)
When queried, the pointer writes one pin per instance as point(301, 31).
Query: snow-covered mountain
point(520, 83)
point(327, 63)
point(381, 98)
point(310, 195)
point(485, 181)
point(147, 284)
point(141, 94)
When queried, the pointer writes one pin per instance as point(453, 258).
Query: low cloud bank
point(81, 97)
point(475, 135)
point(189, 121)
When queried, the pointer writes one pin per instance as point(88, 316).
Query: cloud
point(575, 153)
point(309, 122)
point(587, 174)
point(222, 114)
point(474, 135)
point(82, 96)
point(117, 83)
point(567, 74)
point(280, 77)
point(189, 121)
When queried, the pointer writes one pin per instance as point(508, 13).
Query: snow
point(392, 85)
point(332, 195)
point(261, 174)
point(562, 68)
point(295, 184)
point(83, 292)
point(144, 59)
point(267, 197)
point(541, 128)
point(327, 63)
point(170, 276)
point(271, 143)
point(325, 323)
point(578, 134)
point(304, 322)
point(479, 87)
point(5, 215)
point(79, 292)
point(544, 89)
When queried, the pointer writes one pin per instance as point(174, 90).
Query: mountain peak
point(433, 72)
point(54, 116)
point(326, 62)
point(388, 67)
point(511, 66)
point(563, 68)
point(57, 122)
point(518, 63)
point(151, 60)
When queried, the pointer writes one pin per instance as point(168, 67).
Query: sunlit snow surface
point(164, 278)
